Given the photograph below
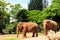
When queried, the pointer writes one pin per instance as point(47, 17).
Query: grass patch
point(13, 39)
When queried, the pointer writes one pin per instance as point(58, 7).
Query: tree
point(45, 3)
point(22, 15)
point(36, 16)
point(35, 5)
point(56, 8)
point(53, 10)
point(15, 9)
point(5, 16)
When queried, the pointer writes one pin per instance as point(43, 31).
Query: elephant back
point(30, 25)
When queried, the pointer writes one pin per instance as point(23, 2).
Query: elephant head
point(49, 25)
point(19, 28)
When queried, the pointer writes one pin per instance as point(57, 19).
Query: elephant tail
point(17, 31)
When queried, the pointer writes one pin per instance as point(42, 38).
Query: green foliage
point(13, 39)
point(48, 13)
point(10, 27)
point(22, 15)
point(53, 10)
point(34, 15)
point(15, 8)
point(5, 16)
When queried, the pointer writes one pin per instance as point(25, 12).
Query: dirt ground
point(29, 36)
point(13, 37)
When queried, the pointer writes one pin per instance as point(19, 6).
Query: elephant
point(49, 25)
point(27, 27)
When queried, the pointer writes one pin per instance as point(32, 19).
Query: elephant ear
point(21, 24)
point(21, 29)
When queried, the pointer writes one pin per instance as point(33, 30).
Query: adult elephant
point(49, 25)
point(27, 27)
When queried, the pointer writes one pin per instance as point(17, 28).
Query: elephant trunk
point(17, 31)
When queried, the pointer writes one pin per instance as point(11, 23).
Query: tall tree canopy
point(4, 16)
point(7, 11)
point(53, 10)
point(35, 5)
point(22, 15)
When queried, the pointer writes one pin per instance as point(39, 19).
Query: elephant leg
point(33, 34)
point(36, 34)
point(45, 31)
point(24, 33)
point(54, 31)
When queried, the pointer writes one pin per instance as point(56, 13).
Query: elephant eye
point(20, 24)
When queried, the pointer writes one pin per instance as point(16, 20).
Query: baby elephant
point(27, 27)
point(49, 25)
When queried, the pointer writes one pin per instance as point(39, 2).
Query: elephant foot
point(32, 35)
point(36, 34)
point(24, 37)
